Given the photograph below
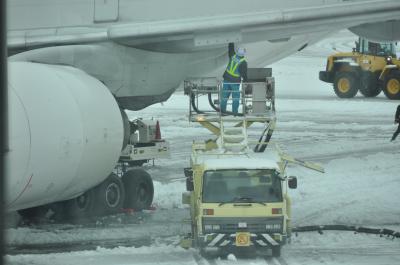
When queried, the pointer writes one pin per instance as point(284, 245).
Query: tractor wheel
point(345, 84)
point(369, 85)
point(391, 86)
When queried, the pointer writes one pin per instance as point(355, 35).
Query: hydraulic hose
point(356, 229)
point(192, 102)
point(218, 109)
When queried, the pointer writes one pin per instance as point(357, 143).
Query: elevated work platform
point(256, 104)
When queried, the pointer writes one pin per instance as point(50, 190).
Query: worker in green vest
point(235, 73)
point(396, 120)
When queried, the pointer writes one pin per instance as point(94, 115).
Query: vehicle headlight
point(216, 227)
point(389, 59)
point(207, 227)
point(212, 227)
point(273, 226)
point(277, 226)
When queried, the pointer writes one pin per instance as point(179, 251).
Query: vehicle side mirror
point(189, 178)
point(188, 172)
point(292, 182)
point(189, 184)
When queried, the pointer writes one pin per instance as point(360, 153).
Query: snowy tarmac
point(350, 138)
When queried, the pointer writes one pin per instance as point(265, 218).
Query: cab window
point(225, 186)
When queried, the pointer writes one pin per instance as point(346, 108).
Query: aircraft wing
point(190, 34)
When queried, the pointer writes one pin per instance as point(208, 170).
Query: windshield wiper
point(242, 199)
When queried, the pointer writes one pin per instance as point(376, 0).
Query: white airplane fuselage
point(73, 65)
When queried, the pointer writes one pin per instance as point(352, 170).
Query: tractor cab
point(372, 67)
point(382, 49)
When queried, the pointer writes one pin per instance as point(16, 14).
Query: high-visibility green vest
point(233, 65)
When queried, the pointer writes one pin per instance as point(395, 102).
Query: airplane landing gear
point(139, 189)
point(81, 207)
point(110, 196)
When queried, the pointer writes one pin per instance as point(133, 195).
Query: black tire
point(139, 189)
point(81, 207)
point(109, 196)
point(391, 86)
point(369, 85)
point(345, 84)
point(276, 251)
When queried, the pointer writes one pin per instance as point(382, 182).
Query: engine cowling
point(65, 134)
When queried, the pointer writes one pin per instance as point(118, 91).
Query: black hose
point(196, 109)
point(356, 229)
point(192, 101)
point(218, 109)
point(212, 103)
point(262, 145)
point(257, 147)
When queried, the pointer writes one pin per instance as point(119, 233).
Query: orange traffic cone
point(158, 131)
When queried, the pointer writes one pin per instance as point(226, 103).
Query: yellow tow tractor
point(369, 68)
point(237, 188)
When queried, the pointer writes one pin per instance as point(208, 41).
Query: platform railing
point(256, 99)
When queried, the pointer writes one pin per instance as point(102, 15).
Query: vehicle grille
point(253, 225)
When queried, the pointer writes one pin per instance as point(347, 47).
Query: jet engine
point(65, 134)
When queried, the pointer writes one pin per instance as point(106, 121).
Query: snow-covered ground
point(350, 138)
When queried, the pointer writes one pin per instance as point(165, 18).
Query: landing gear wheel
point(81, 207)
point(276, 251)
point(110, 196)
point(139, 189)
point(391, 86)
point(369, 85)
point(345, 84)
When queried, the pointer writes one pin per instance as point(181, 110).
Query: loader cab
point(241, 186)
point(381, 49)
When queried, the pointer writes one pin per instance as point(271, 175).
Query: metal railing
point(255, 99)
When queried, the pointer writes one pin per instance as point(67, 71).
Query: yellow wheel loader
point(370, 68)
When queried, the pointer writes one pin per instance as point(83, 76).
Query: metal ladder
point(233, 135)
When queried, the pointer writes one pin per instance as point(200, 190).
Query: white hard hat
point(241, 51)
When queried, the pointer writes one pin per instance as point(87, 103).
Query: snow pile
point(166, 254)
point(359, 191)
point(169, 196)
